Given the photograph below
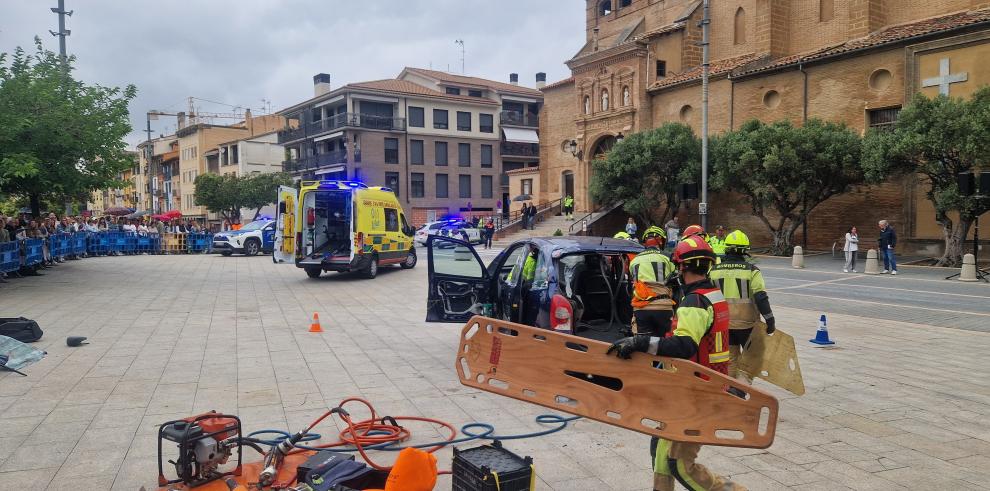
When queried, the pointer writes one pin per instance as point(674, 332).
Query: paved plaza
point(901, 402)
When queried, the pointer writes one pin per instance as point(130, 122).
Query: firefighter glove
point(771, 324)
point(625, 347)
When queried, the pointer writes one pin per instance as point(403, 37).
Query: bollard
point(872, 263)
point(968, 271)
point(797, 260)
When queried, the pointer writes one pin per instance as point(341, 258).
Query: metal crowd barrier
point(33, 251)
point(10, 257)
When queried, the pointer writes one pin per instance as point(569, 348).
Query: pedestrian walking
point(888, 241)
point(673, 231)
point(850, 248)
point(631, 227)
point(532, 217)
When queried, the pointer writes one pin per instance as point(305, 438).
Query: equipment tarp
point(21, 355)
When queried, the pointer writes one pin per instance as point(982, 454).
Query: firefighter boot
point(680, 465)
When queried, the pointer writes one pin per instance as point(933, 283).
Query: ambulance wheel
point(410, 261)
point(372, 269)
point(251, 247)
point(314, 272)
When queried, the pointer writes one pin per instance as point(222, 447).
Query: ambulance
point(342, 226)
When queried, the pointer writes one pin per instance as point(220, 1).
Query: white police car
point(257, 236)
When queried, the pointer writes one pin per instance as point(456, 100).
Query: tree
point(228, 194)
point(644, 170)
point(59, 138)
point(938, 138)
point(784, 171)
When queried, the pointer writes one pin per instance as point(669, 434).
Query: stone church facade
point(851, 61)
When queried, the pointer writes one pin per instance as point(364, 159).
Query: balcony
point(315, 161)
point(515, 118)
point(342, 120)
point(511, 149)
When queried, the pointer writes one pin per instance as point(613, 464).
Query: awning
point(520, 135)
point(336, 168)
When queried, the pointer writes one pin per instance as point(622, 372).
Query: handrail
point(541, 208)
point(600, 210)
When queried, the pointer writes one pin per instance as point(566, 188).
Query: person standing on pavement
point(888, 241)
point(489, 233)
point(745, 292)
point(631, 227)
point(532, 217)
point(673, 231)
point(717, 241)
point(850, 248)
point(568, 207)
point(652, 299)
point(700, 329)
point(524, 215)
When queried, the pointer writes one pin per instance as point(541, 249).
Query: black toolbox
point(491, 468)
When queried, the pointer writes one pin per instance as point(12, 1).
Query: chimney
point(541, 80)
point(249, 121)
point(321, 83)
point(181, 120)
point(514, 78)
point(594, 39)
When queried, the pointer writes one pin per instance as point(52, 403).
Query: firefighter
point(717, 241)
point(694, 230)
point(700, 328)
point(745, 291)
point(651, 297)
point(569, 207)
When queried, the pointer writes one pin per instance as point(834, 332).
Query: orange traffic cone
point(315, 326)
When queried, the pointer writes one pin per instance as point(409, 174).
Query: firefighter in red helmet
point(700, 333)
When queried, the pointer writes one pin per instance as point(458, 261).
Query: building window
point(463, 121)
point(771, 99)
point(391, 150)
point(418, 189)
point(486, 123)
point(826, 10)
point(883, 119)
point(440, 153)
point(464, 154)
point(416, 117)
point(527, 186)
point(587, 105)
point(625, 3)
point(440, 119)
point(474, 93)
point(486, 186)
point(486, 156)
point(604, 100)
point(441, 185)
point(234, 155)
point(392, 182)
point(661, 68)
point(453, 91)
point(605, 8)
point(391, 220)
point(464, 185)
point(416, 152)
point(739, 34)
point(317, 114)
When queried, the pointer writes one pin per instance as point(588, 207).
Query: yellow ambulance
point(342, 226)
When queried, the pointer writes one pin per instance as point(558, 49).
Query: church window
point(771, 99)
point(880, 80)
point(826, 10)
point(604, 100)
point(605, 8)
point(883, 119)
point(624, 3)
point(661, 68)
point(739, 36)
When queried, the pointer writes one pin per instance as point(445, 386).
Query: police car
point(251, 239)
point(443, 227)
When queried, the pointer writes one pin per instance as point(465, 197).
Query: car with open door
point(575, 285)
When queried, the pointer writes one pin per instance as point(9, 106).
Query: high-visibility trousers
point(675, 461)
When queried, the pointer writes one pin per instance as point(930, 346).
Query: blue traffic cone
point(821, 337)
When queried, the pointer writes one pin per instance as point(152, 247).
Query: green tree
point(228, 194)
point(644, 170)
point(784, 171)
point(59, 138)
point(938, 138)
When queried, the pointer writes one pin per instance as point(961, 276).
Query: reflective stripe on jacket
point(703, 315)
point(739, 281)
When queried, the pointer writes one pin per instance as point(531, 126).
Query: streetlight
point(573, 147)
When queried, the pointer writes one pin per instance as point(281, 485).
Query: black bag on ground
point(21, 329)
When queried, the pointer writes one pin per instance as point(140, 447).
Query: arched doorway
point(603, 147)
point(567, 184)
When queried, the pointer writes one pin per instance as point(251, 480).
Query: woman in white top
point(852, 245)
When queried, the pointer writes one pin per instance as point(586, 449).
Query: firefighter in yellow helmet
point(651, 297)
point(744, 289)
point(622, 236)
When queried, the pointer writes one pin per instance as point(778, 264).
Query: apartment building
point(434, 138)
point(155, 180)
point(245, 156)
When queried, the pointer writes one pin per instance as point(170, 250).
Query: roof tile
point(717, 68)
point(559, 83)
point(462, 79)
point(406, 87)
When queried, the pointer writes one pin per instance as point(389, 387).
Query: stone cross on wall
point(944, 78)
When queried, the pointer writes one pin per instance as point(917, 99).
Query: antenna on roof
point(460, 42)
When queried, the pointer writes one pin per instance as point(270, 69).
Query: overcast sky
point(239, 52)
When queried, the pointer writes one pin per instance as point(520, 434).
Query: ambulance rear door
point(285, 225)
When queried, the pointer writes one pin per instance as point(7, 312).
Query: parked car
point(257, 236)
point(580, 286)
point(462, 230)
point(433, 228)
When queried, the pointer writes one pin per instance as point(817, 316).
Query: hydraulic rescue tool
point(205, 442)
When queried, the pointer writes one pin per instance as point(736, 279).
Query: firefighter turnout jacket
point(745, 291)
point(649, 270)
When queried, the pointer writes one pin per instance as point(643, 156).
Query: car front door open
point(458, 280)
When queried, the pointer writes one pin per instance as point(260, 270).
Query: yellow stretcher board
point(679, 401)
point(773, 358)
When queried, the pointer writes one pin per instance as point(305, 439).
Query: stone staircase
point(545, 228)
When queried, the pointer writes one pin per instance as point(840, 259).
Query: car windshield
point(256, 225)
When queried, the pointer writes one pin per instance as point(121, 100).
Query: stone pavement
point(894, 406)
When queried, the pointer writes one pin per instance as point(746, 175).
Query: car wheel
point(372, 269)
point(251, 248)
point(226, 253)
point(314, 272)
point(410, 261)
